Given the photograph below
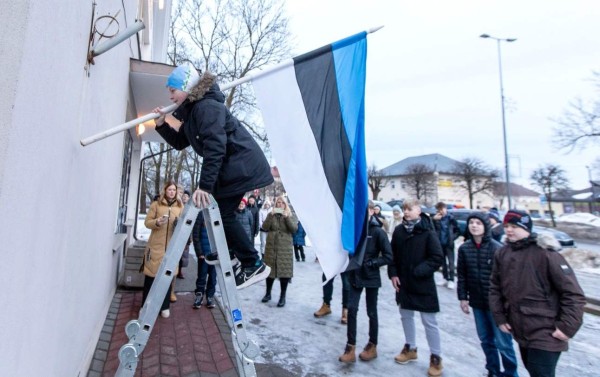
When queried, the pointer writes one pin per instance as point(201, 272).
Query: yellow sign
point(445, 183)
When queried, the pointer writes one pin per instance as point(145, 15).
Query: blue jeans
point(328, 289)
point(205, 271)
point(493, 341)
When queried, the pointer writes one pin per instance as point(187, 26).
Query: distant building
point(586, 200)
point(443, 185)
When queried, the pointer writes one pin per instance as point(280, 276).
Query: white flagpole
point(172, 107)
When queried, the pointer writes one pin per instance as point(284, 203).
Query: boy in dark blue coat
point(475, 262)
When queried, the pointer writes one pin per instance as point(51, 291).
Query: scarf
point(409, 225)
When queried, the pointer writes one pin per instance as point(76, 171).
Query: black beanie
point(518, 218)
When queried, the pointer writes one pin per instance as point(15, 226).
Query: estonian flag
point(313, 111)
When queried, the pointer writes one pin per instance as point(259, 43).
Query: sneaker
point(251, 275)
point(165, 313)
point(406, 355)
point(324, 310)
point(451, 285)
point(198, 301)
point(435, 366)
point(210, 302)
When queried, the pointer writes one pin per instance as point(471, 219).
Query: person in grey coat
point(245, 218)
point(281, 226)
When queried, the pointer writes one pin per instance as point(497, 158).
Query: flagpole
point(167, 109)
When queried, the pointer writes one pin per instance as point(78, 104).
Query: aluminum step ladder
point(138, 330)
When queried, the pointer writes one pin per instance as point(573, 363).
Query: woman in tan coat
point(281, 226)
point(161, 221)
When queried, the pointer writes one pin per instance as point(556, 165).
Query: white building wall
point(58, 200)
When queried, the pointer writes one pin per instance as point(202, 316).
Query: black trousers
point(353, 301)
point(147, 285)
point(448, 262)
point(236, 237)
point(539, 363)
point(299, 252)
point(328, 290)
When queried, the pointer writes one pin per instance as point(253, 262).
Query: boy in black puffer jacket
point(475, 261)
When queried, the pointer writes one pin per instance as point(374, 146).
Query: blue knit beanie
point(184, 78)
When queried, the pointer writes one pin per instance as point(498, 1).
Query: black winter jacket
point(233, 163)
point(475, 266)
point(378, 253)
point(416, 256)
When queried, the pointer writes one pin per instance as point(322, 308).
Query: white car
point(142, 233)
point(580, 218)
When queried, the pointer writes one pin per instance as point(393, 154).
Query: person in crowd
point(381, 218)
point(259, 199)
point(280, 225)
point(299, 243)
point(475, 261)
point(245, 218)
point(448, 231)
point(417, 254)
point(377, 253)
point(325, 308)
point(233, 163)
point(262, 215)
point(206, 280)
point(160, 219)
point(496, 224)
point(252, 206)
point(534, 295)
point(396, 220)
point(184, 261)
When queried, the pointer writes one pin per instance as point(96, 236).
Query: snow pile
point(579, 258)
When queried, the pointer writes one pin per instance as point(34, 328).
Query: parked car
point(461, 215)
point(563, 238)
point(398, 203)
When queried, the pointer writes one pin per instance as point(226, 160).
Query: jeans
point(328, 289)
point(353, 301)
point(448, 262)
point(493, 341)
point(236, 237)
point(539, 363)
point(205, 271)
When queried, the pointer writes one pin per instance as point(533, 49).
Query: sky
point(433, 84)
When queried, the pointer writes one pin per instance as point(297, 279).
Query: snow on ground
point(294, 339)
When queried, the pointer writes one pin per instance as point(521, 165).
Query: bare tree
point(580, 124)
point(231, 38)
point(549, 179)
point(476, 177)
point(376, 180)
point(420, 181)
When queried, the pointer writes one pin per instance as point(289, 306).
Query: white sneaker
point(165, 313)
point(450, 285)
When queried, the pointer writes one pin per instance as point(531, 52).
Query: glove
point(372, 263)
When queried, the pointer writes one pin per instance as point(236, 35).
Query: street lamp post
point(506, 169)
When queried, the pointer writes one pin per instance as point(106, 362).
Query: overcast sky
point(433, 84)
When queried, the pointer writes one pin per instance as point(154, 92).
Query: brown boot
point(435, 366)
point(406, 355)
point(349, 355)
point(369, 353)
point(173, 297)
point(344, 319)
point(323, 311)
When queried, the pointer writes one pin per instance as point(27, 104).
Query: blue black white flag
point(314, 112)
